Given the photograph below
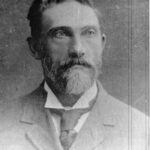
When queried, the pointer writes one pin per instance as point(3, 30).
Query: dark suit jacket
point(111, 125)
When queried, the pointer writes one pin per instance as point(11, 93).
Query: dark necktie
point(69, 119)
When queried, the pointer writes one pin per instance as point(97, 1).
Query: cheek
point(57, 51)
point(94, 50)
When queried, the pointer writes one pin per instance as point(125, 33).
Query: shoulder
point(129, 124)
point(129, 120)
point(124, 110)
point(12, 110)
point(124, 114)
point(12, 130)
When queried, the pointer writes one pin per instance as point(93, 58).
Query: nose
point(76, 49)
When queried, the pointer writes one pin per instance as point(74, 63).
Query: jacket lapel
point(92, 134)
point(41, 133)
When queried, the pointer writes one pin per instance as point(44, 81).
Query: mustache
point(76, 61)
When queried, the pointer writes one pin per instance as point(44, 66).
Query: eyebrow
point(65, 28)
point(90, 26)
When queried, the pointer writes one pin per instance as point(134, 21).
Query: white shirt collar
point(53, 102)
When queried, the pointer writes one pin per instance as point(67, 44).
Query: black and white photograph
point(74, 75)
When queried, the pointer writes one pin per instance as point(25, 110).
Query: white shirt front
point(53, 102)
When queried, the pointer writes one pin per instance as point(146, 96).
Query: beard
point(72, 77)
point(78, 80)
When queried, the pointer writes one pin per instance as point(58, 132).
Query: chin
point(78, 81)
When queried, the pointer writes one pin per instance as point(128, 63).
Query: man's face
point(73, 45)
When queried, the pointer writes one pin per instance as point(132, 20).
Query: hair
point(37, 8)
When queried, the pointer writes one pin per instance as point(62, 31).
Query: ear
point(35, 49)
point(103, 41)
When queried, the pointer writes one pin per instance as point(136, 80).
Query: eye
point(60, 34)
point(89, 32)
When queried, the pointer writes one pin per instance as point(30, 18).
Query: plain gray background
point(125, 58)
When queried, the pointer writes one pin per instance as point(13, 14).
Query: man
point(70, 110)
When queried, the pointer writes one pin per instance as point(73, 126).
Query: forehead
point(72, 14)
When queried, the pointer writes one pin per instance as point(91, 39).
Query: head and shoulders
point(66, 37)
point(71, 54)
